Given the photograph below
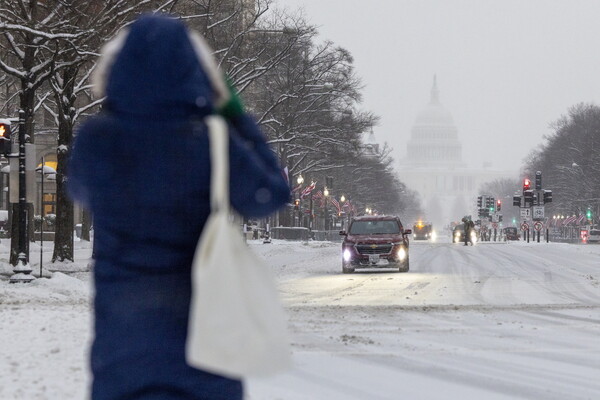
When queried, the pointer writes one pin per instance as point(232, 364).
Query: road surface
point(490, 321)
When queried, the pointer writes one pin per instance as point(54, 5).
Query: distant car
point(375, 242)
point(594, 236)
point(422, 231)
point(511, 233)
point(457, 233)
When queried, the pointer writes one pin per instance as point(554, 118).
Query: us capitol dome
point(434, 138)
point(434, 166)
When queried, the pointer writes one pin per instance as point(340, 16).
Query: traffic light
point(526, 184)
point(297, 204)
point(517, 201)
point(479, 201)
point(538, 180)
point(491, 204)
point(498, 205)
point(528, 196)
point(547, 196)
point(5, 137)
point(588, 214)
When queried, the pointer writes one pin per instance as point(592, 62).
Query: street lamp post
point(22, 271)
point(326, 194)
point(342, 201)
point(299, 181)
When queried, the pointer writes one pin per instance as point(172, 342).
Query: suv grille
point(366, 249)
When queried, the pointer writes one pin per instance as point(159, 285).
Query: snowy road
point(447, 274)
point(494, 321)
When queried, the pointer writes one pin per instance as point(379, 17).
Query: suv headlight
point(402, 254)
point(347, 255)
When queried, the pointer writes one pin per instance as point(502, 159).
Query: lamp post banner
point(29, 175)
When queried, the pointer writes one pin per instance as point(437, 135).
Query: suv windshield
point(595, 232)
point(374, 228)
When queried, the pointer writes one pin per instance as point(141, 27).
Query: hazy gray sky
point(506, 69)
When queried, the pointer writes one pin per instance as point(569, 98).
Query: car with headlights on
point(458, 233)
point(375, 241)
point(422, 231)
point(594, 236)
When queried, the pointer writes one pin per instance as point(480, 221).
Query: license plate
point(374, 258)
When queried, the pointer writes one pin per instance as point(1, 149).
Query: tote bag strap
point(218, 137)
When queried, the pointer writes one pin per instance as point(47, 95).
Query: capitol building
point(434, 166)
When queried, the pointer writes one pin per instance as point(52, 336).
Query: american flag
point(296, 189)
point(349, 207)
point(308, 190)
point(319, 196)
point(336, 204)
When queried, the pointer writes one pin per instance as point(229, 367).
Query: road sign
point(538, 212)
point(524, 226)
point(537, 226)
point(525, 212)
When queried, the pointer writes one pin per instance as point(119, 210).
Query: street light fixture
point(343, 198)
point(300, 179)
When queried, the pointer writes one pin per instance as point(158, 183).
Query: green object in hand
point(233, 107)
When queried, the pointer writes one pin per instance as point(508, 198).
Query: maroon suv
point(375, 242)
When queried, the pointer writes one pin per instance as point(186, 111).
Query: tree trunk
point(63, 239)
point(63, 236)
point(86, 225)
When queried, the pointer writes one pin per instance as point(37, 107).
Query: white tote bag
point(237, 326)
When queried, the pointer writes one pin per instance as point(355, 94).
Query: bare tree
point(570, 161)
point(31, 32)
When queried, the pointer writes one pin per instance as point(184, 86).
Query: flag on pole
point(336, 205)
point(319, 196)
point(308, 190)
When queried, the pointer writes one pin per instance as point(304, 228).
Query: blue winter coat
point(142, 168)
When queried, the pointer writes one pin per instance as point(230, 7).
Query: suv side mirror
point(408, 231)
point(343, 233)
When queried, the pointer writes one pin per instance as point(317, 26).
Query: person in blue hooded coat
point(142, 167)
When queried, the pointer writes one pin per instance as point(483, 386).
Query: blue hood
point(157, 73)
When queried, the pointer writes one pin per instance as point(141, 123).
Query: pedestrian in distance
point(468, 230)
point(142, 167)
point(471, 231)
point(465, 222)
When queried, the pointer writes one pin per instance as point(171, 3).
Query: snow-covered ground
point(493, 321)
